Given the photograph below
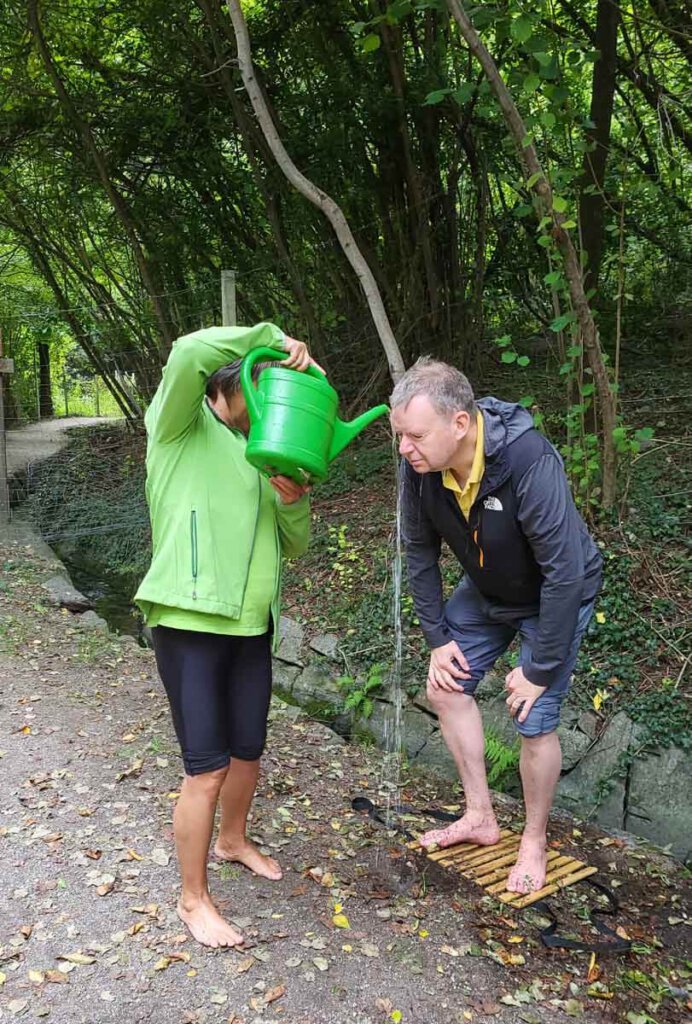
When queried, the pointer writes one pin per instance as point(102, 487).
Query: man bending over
point(479, 476)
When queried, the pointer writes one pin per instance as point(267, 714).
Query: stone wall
point(607, 775)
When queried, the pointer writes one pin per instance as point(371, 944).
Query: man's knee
point(447, 700)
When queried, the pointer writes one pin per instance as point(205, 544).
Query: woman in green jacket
point(211, 596)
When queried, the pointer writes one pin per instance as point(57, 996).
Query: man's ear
point(462, 422)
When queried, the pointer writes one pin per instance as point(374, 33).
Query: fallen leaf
point(77, 958)
point(275, 993)
point(3, 978)
point(37, 977)
point(160, 857)
point(57, 977)
point(320, 963)
point(245, 965)
point(340, 921)
point(162, 963)
point(219, 998)
point(17, 1005)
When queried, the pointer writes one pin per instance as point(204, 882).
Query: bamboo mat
point(489, 867)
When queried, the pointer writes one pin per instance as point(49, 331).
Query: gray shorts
point(483, 638)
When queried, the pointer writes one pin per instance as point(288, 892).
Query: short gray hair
point(446, 387)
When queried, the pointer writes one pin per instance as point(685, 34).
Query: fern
point(501, 759)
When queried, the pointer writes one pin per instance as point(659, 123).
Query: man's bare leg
point(539, 765)
point(462, 729)
point(236, 797)
point(193, 822)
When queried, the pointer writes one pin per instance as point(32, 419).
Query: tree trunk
point(541, 186)
point(316, 196)
point(45, 397)
point(592, 203)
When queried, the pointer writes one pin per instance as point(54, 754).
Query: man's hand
point(288, 490)
point(447, 664)
point(521, 692)
point(298, 356)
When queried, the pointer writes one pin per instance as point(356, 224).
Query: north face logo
point(493, 503)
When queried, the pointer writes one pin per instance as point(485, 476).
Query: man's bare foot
point(206, 924)
point(528, 874)
point(248, 854)
point(469, 829)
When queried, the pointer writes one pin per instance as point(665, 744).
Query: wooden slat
point(467, 858)
point(571, 868)
point(461, 849)
point(558, 864)
point(527, 899)
point(501, 872)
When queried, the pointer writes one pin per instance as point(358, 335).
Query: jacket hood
point(504, 422)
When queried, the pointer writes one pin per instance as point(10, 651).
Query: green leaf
point(574, 350)
point(534, 178)
point(508, 357)
point(559, 204)
point(523, 210)
point(527, 140)
point(530, 83)
point(548, 119)
point(545, 240)
point(567, 224)
point(464, 93)
point(370, 43)
point(543, 58)
point(560, 322)
point(435, 97)
point(523, 361)
point(586, 390)
point(554, 278)
point(527, 401)
point(504, 341)
point(522, 28)
point(644, 434)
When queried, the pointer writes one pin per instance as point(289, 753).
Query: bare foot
point(249, 855)
point(206, 924)
point(528, 874)
point(484, 831)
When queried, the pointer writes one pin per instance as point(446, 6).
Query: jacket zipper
point(254, 535)
point(478, 537)
point(193, 546)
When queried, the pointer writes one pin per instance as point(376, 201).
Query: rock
point(595, 787)
point(291, 636)
point(490, 686)
point(436, 756)
point(326, 644)
point(496, 719)
point(417, 728)
point(659, 804)
point(314, 683)
point(421, 701)
point(64, 595)
point(574, 745)
point(284, 675)
point(589, 723)
point(93, 621)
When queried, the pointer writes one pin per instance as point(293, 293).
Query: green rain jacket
point(203, 495)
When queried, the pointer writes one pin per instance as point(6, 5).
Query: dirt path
point(88, 777)
point(41, 440)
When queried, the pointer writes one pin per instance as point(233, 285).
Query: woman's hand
point(299, 357)
point(287, 489)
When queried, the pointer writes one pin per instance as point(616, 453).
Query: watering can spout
point(344, 433)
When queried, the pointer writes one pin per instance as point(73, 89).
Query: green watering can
point(294, 429)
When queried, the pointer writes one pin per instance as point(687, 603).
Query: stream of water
point(390, 775)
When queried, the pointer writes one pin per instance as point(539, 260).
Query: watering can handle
point(257, 355)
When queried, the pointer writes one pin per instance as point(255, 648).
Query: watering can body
point(294, 428)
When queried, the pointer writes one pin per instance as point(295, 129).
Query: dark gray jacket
point(525, 546)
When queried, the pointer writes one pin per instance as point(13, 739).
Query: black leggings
point(219, 689)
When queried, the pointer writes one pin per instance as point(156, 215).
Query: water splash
point(390, 776)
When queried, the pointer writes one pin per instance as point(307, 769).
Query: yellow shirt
point(467, 495)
